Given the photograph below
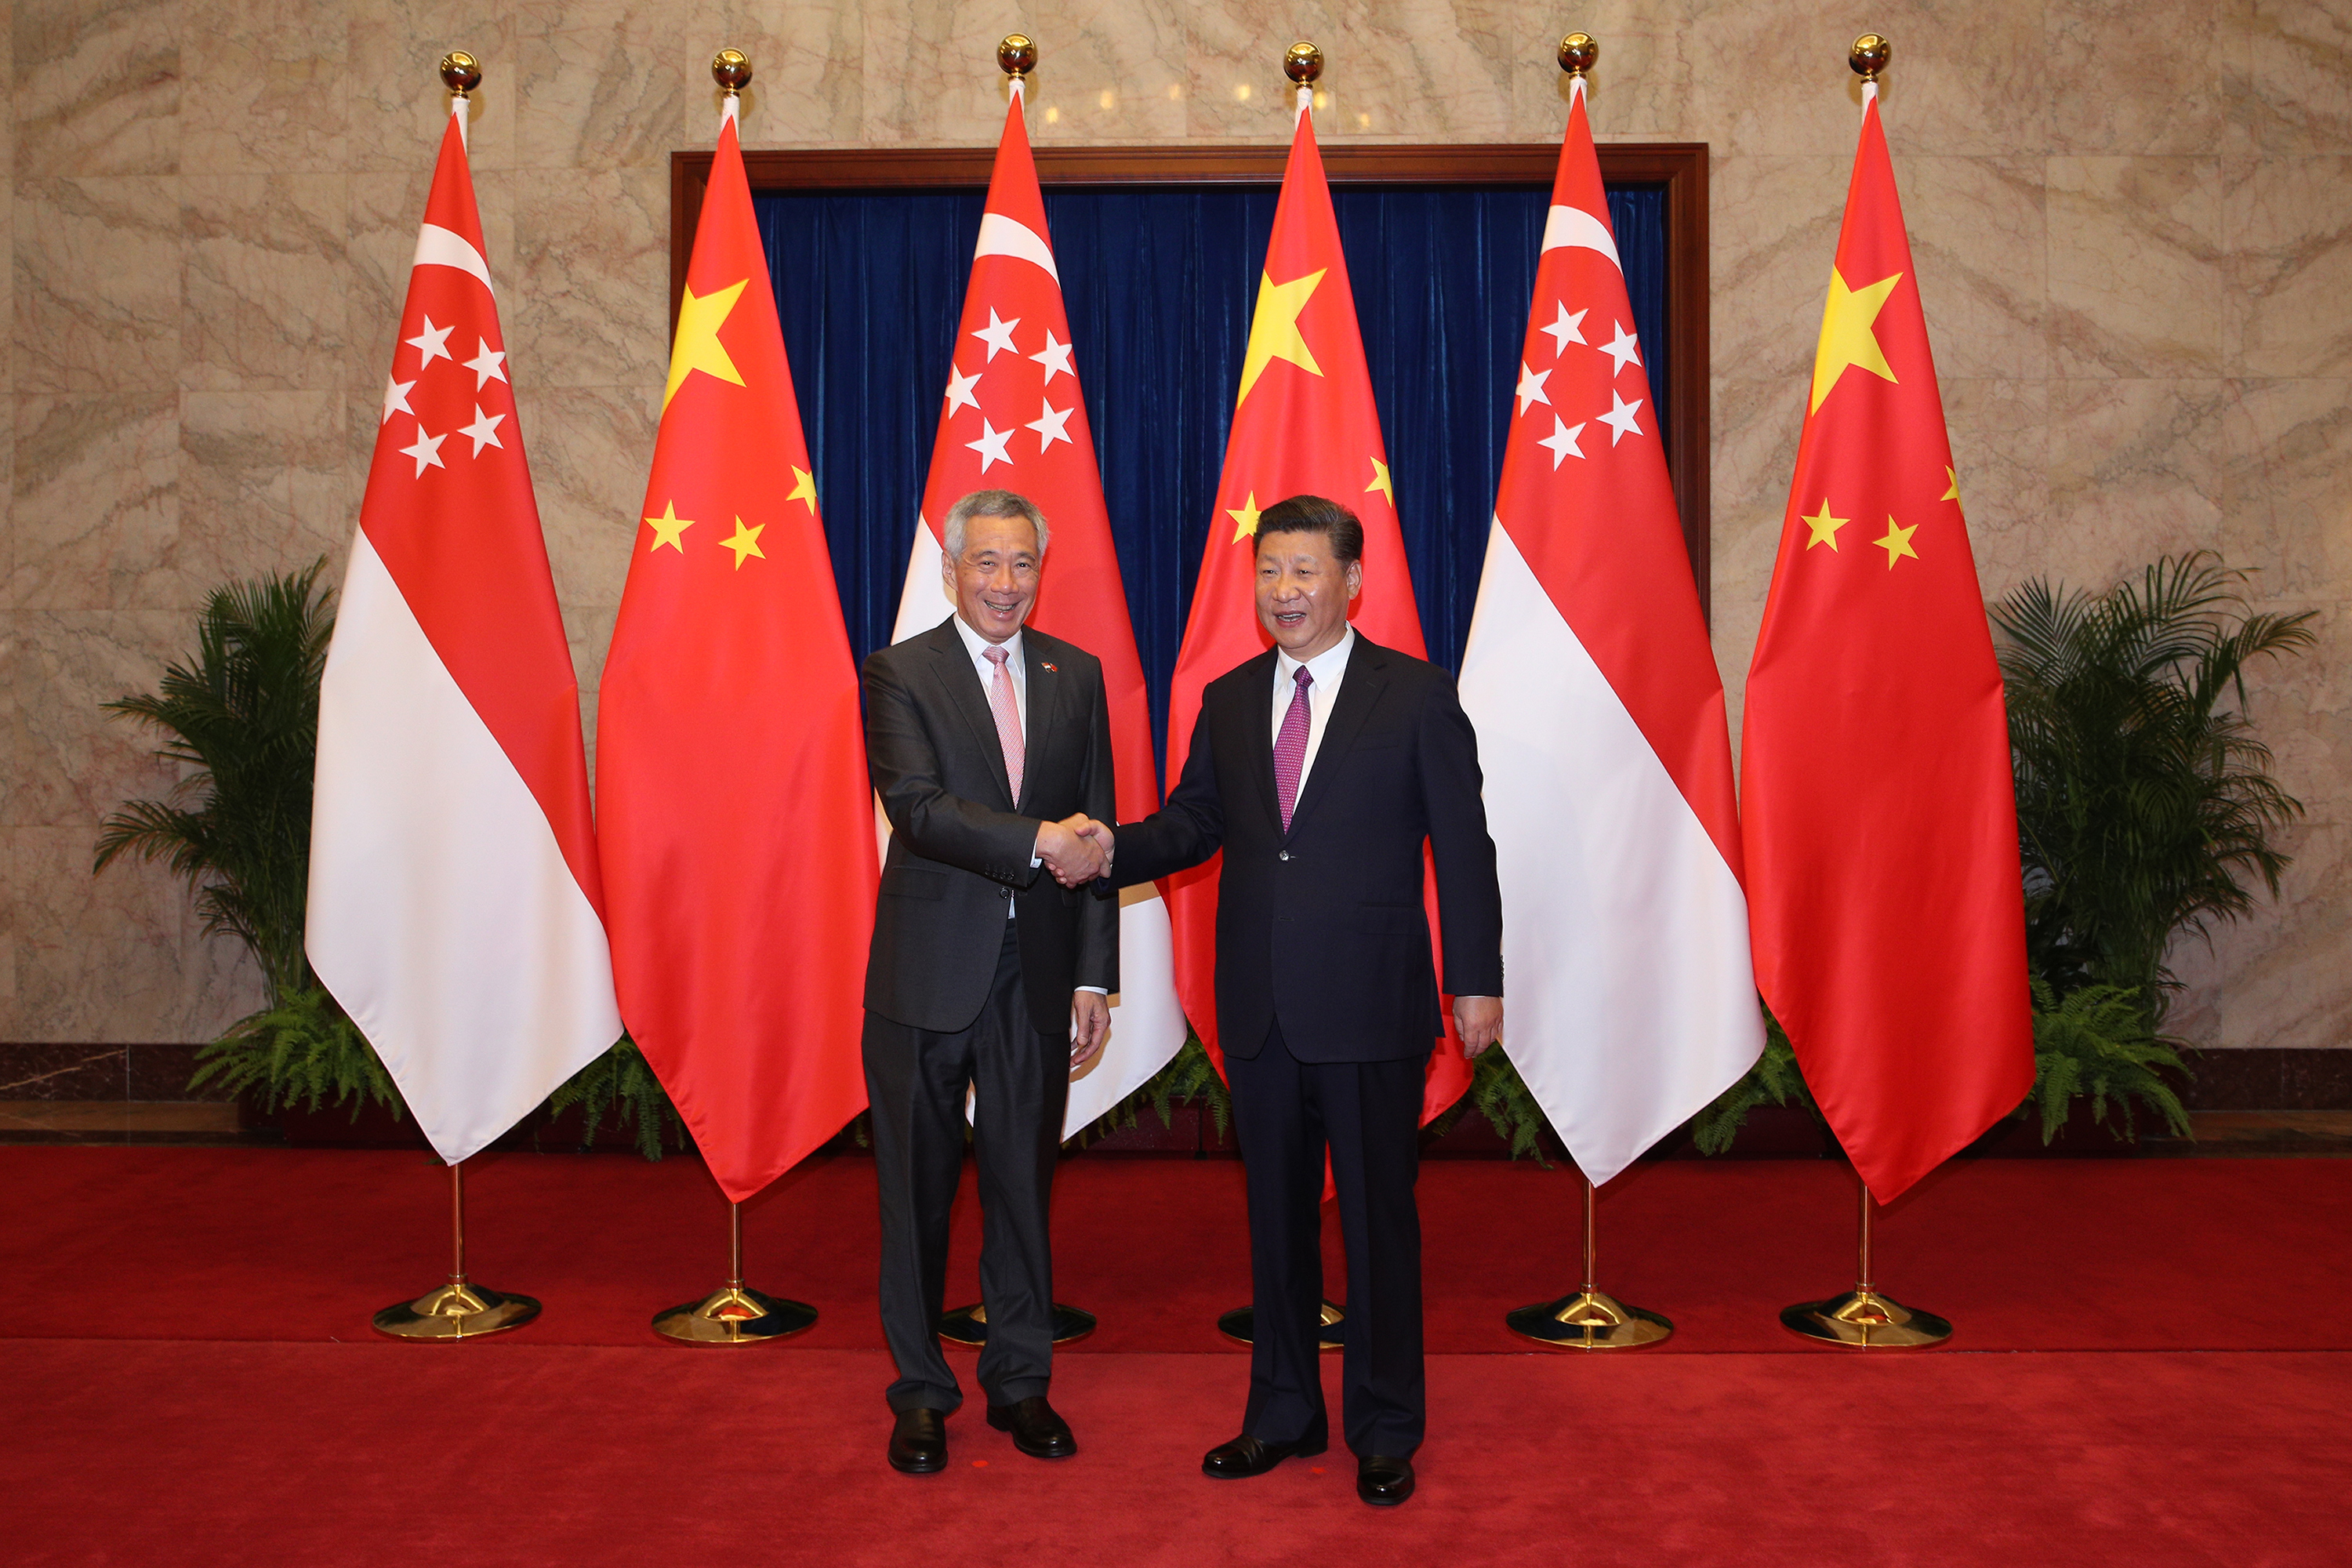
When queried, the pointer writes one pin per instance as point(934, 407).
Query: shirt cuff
point(1097, 990)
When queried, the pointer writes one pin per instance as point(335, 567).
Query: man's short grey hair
point(990, 504)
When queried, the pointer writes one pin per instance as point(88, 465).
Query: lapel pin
point(1055, 668)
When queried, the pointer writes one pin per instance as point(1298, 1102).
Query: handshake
point(1077, 849)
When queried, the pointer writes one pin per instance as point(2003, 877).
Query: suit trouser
point(915, 1083)
point(1368, 1114)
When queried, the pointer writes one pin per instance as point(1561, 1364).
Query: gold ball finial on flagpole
point(461, 73)
point(1303, 63)
point(1016, 57)
point(1869, 57)
point(1577, 53)
point(732, 69)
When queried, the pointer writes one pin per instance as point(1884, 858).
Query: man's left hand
point(1479, 1021)
point(1089, 1026)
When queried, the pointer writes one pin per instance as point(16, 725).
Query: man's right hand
point(1071, 852)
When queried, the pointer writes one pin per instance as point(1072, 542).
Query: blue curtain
point(1159, 284)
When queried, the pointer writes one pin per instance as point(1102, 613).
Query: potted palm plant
point(241, 715)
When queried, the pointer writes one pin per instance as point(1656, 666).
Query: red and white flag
point(1601, 728)
point(732, 802)
point(454, 907)
point(1015, 421)
point(1304, 424)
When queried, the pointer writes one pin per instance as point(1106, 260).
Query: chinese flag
point(1013, 420)
point(1304, 424)
point(733, 804)
point(1883, 889)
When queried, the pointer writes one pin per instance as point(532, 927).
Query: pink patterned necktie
point(1008, 718)
point(1290, 746)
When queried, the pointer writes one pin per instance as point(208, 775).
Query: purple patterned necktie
point(1290, 746)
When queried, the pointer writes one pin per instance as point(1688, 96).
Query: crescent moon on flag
point(439, 246)
point(1574, 226)
point(1001, 236)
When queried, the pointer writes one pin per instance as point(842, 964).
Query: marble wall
point(2132, 220)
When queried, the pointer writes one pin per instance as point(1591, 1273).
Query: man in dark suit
point(1321, 767)
point(987, 973)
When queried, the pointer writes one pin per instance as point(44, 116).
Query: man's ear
point(1355, 578)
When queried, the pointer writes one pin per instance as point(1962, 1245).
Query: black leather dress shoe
point(1036, 1430)
point(1383, 1481)
point(1248, 1456)
point(919, 1443)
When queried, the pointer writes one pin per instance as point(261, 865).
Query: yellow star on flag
point(1953, 491)
point(1245, 515)
point(1897, 542)
point(746, 543)
point(803, 488)
point(697, 346)
point(1380, 482)
point(1274, 330)
point(1846, 337)
point(669, 529)
point(1824, 527)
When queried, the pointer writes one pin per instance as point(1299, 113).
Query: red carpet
point(259, 1244)
point(142, 1435)
point(532, 1454)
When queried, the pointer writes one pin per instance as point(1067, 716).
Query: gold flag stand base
point(1862, 1318)
point(459, 1310)
point(735, 1314)
point(1865, 1320)
point(1240, 1325)
point(1589, 1319)
point(968, 1326)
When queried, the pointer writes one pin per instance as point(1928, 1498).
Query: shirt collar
point(975, 645)
point(1323, 666)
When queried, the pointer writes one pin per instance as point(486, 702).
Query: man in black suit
point(1321, 767)
point(986, 973)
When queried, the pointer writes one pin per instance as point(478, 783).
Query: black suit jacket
point(1323, 927)
point(959, 844)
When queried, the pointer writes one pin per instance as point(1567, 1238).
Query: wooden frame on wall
point(1679, 166)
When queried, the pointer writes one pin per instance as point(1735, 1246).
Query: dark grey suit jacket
point(959, 844)
point(1323, 926)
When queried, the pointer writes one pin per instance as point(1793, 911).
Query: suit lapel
point(960, 682)
point(1257, 733)
point(1358, 693)
point(1045, 700)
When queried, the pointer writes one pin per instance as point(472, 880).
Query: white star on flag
point(1562, 442)
point(396, 400)
point(1619, 419)
point(1531, 387)
point(997, 335)
point(1051, 426)
point(1625, 347)
point(484, 431)
point(433, 342)
point(426, 451)
point(1055, 357)
point(960, 388)
point(487, 364)
point(1567, 330)
point(991, 445)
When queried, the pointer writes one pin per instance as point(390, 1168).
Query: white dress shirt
point(1016, 665)
point(1328, 669)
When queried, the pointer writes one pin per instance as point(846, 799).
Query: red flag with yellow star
point(1304, 424)
point(1880, 822)
point(733, 811)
